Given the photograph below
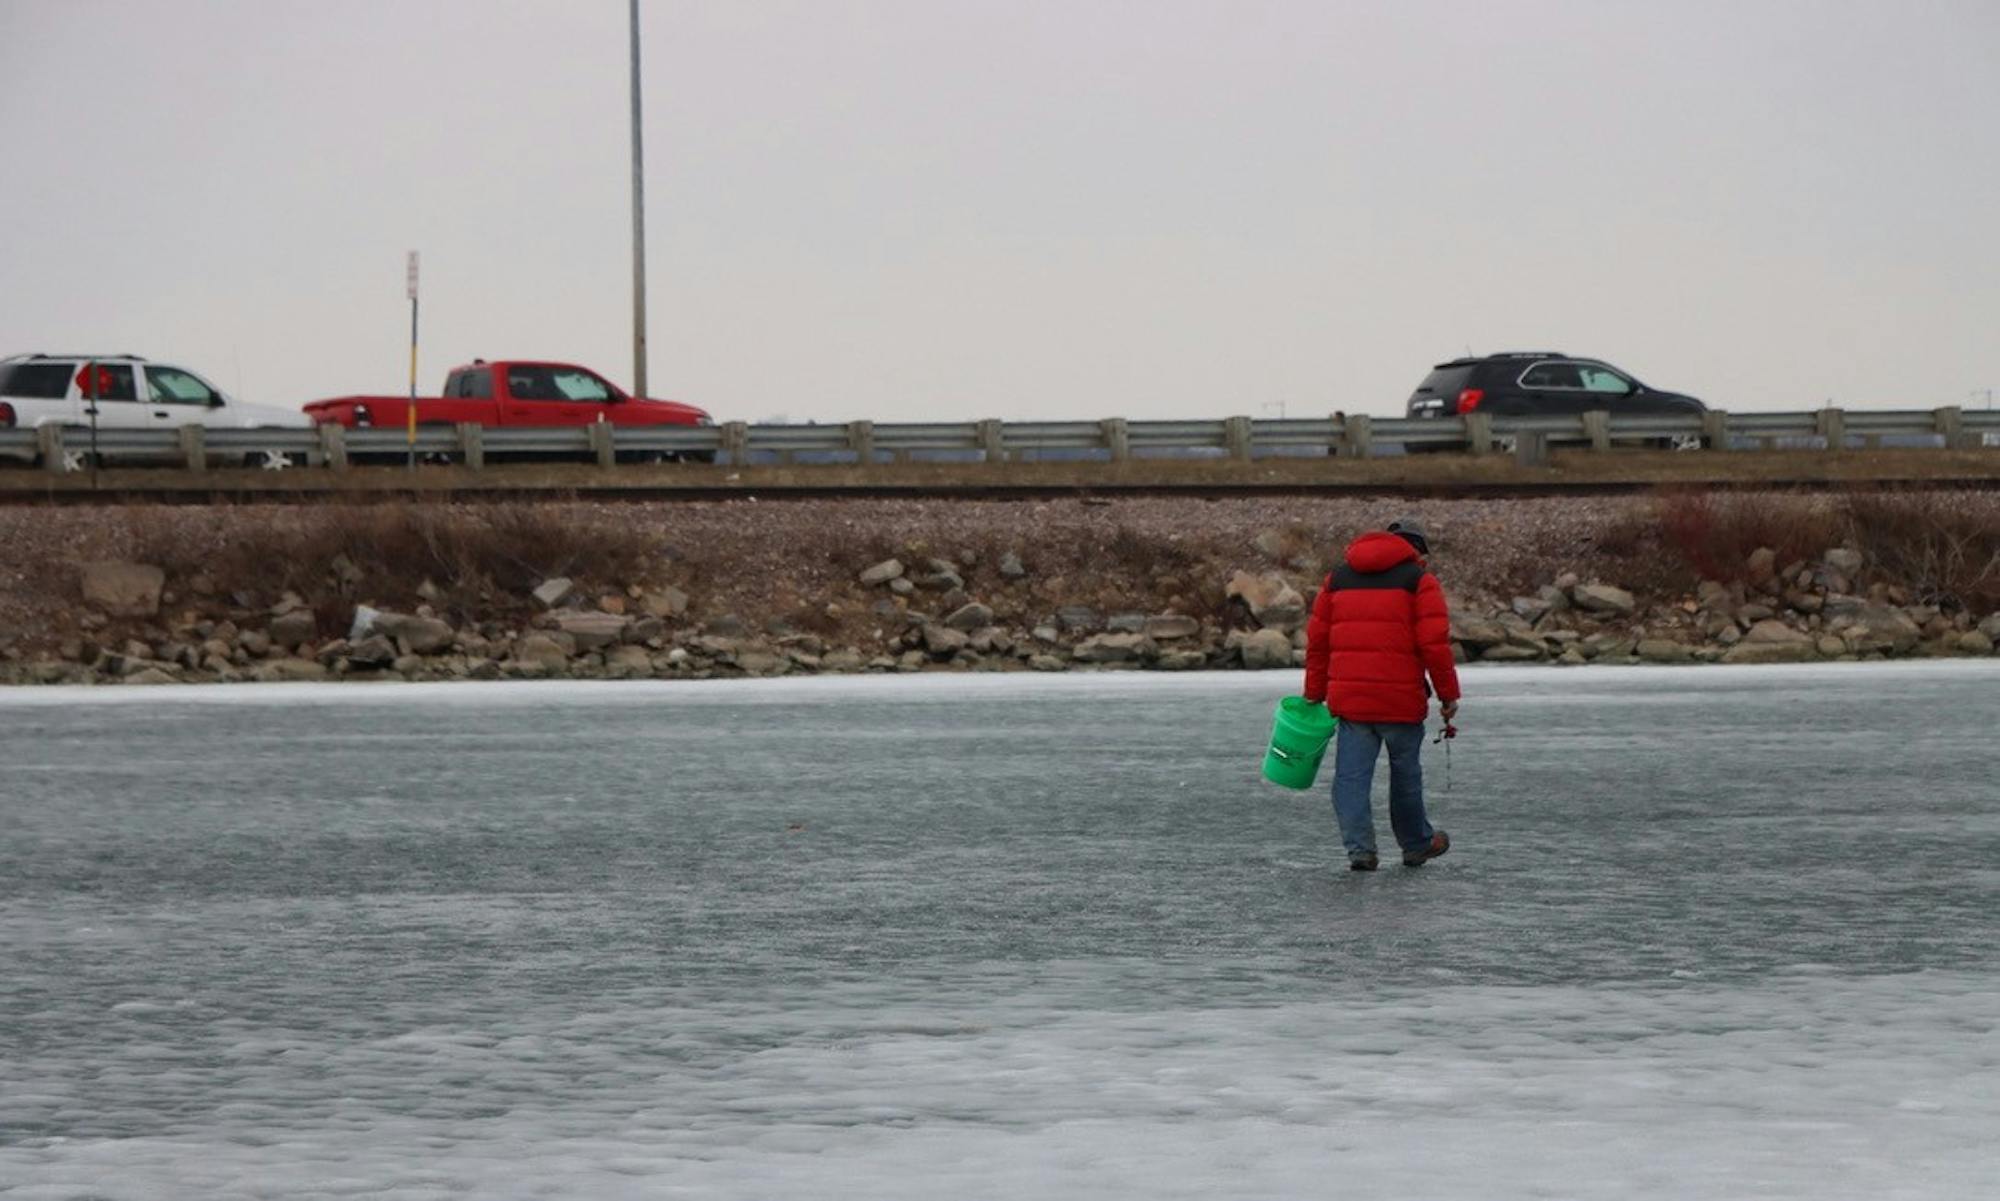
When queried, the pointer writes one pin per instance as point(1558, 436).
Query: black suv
point(1539, 383)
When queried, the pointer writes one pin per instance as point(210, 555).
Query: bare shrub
point(1716, 533)
point(1943, 546)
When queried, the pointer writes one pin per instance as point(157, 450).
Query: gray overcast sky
point(911, 209)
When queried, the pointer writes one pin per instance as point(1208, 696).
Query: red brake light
point(1469, 399)
point(6, 416)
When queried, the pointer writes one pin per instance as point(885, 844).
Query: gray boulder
point(277, 671)
point(883, 572)
point(1169, 626)
point(1844, 560)
point(1115, 648)
point(123, 589)
point(551, 593)
point(542, 651)
point(1772, 632)
point(1771, 652)
point(1011, 566)
point(1663, 650)
point(1270, 598)
point(294, 628)
point(969, 617)
point(1477, 631)
point(1265, 649)
point(628, 662)
point(593, 631)
point(422, 635)
point(665, 603)
point(374, 651)
point(1884, 628)
point(1603, 598)
point(1530, 608)
point(943, 641)
point(1079, 619)
point(1761, 569)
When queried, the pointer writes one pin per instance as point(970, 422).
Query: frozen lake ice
point(1703, 933)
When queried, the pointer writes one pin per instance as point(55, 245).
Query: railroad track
point(1440, 476)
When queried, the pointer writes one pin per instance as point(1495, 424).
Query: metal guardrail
point(69, 448)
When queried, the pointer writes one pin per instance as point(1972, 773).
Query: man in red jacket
point(1378, 627)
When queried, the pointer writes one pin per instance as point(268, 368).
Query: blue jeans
point(1354, 754)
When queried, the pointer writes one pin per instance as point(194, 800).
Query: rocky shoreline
point(971, 611)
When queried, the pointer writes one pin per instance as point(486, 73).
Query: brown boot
point(1440, 843)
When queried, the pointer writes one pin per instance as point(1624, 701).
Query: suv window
point(171, 385)
point(1598, 378)
point(114, 381)
point(35, 381)
point(1552, 376)
point(1446, 381)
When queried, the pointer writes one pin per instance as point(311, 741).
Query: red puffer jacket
point(1378, 626)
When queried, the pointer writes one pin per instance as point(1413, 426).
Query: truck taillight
point(6, 416)
point(1469, 399)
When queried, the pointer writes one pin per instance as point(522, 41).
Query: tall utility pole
point(638, 225)
point(410, 417)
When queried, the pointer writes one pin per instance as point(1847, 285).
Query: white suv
point(131, 393)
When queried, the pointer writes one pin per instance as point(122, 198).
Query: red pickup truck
point(513, 393)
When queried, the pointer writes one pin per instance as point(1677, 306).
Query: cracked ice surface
point(1703, 933)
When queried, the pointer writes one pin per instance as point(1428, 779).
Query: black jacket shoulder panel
point(1405, 576)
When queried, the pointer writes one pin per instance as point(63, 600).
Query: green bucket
point(1299, 734)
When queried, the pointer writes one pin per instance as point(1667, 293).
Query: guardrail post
point(1357, 436)
point(333, 445)
point(1833, 427)
point(1715, 430)
point(1117, 438)
point(602, 445)
point(1236, 434)
point(861, 440)
point(1531, 449)
point(1478, 432)
point(1597, 427)
point(1950, 424)
point(991, 448)
point(472, 445)
point(53, 457)
point(736, 442)
point(194, 447)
